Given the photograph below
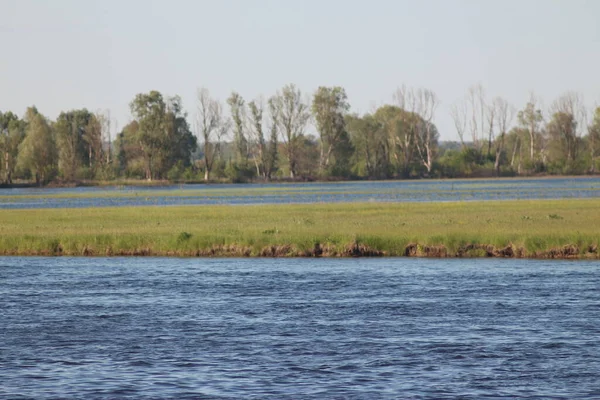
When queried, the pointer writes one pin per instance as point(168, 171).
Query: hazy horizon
point(69, 54)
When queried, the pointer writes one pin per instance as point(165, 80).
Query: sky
point(66, 54)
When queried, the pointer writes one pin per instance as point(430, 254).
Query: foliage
point(160, 136)
point(274, 138)
point(37, 152)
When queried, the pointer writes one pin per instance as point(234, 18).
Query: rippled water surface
point(298, 328)
point(387, 191)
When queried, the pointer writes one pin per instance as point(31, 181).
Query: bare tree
point(477, 120)
point(458, 112)
point(503, 114)
point(491, 115)
point(211, 127)
point(426, 134)
point(403, 132)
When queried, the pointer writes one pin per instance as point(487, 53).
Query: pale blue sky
point(65, 54)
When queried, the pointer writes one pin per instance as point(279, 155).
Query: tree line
point(292, 135)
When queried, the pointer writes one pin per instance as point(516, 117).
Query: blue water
point(386, 191)
point(299, 328)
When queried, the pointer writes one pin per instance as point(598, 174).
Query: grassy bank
point(543, 229)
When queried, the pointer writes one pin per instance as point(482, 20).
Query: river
point(298, 328)
point(239, 194)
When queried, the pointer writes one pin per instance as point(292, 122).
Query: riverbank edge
point(352, 250)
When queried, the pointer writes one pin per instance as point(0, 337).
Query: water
point(387, 191)
point(298, 328)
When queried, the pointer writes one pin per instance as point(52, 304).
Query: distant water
point(299, 328)
point(382, 191)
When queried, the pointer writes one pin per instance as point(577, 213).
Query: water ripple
point(392, 328)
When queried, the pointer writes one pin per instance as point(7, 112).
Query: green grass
point(534, 226)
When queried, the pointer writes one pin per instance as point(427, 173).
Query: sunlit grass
point(389, 227)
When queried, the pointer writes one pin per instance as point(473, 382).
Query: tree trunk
point(514, 154)
point(497, 162)
point(257, 166)
point(6, 165)
point(531, 145)
point(149, 169)
point(593, 166)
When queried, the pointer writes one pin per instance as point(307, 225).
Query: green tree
point(37, 152)
point(93, 138)
point(130, 159)
point(594, 139)
point(330, 106)
point(564, 142)
point(73, 130)
point(181, 141)
point(12, 133)
point(400, 127)
point(162, 133)
point(371, 145)
point(292, 114)
point(149, 110)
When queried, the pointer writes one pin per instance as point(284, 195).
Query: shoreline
point(354, 250)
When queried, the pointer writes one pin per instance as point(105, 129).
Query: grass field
point(543, 228)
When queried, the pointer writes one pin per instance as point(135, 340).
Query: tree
point(37, 152)
point(426, 133)
point(94, 136)
point(566, 126)
point(399, 127)
point(402, 128)
point(181, 141)
point(259, 145)
point(594, 139)
point(75, 140)
point(162, 133)
point(211, 126)
point(129, 154)
point(504, 114)
point(272, 149)
point(370, 143)
point(458, 112)
point(12, 133)
point(238, 114)
point(531, 119)
point(561, 130)
point(292, 115)
point(476, 100)
point(329, 107)
point(149, 110)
